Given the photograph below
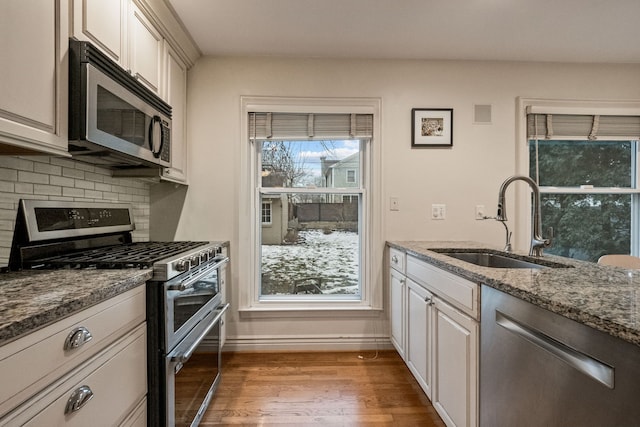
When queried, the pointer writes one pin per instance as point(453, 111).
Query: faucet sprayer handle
point(549, 240)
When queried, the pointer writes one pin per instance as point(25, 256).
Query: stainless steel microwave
point(114, 120)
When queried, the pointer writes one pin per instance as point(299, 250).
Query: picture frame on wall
point(431, 127)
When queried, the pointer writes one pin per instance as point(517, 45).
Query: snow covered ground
point(329, 260)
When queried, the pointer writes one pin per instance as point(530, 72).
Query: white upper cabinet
point(103, 23)
point(175, 93)
point(33, 76)
point(145, 49)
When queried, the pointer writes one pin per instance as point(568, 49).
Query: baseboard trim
point(336, 343)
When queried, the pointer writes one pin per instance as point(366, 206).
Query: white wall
point(468, 174)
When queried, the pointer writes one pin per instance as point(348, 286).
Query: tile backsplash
point(56, 178)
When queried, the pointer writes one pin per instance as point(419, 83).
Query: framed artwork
point(431, 127)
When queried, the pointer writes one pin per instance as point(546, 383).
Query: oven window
point(120, 119)
point(187, 303)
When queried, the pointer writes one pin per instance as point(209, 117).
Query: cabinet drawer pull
point(394, 259)
point(78, 399)
point(77, 338)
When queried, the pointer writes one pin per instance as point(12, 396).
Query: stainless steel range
point(184, 298)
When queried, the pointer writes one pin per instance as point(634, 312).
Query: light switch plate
point(438, 212)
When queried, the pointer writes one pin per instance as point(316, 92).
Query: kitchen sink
point(495, 259)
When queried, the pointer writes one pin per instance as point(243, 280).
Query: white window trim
point(372, 240)
point(522, 226)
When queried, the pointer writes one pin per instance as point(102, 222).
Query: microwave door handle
point(152, 127)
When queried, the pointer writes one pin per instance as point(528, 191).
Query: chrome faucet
point(537, 241)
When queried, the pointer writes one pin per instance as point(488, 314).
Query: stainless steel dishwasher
point(538, 368)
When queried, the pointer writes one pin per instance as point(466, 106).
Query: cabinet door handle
point(77, 338)
point(394, 259)
point(429, 301)
point(78, 399)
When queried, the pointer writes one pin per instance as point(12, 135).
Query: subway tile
point(62, 181)
point(24, 188)
point(47, 168)
point(64, 162)
point(6, 225)
point(85, 167)
point(50, 190)
point(87, 185)
point(7, 174)
point(93, 194)
point(12, 162)
point(7, 186)
point(103, 187)
point(72, 173)
point(72, 192)
point(35, 178)
point(95, 177)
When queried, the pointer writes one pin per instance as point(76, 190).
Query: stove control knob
point(182, 265)
point(195, 260)
point(204, 256)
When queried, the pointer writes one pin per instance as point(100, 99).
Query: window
point(586, 167)
point(318, 252)
point(315, 251)
point(266, 213)
point(351, 176)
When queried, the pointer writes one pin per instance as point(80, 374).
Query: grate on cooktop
point(129, 255)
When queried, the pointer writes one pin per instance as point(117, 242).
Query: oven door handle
point(183, 357)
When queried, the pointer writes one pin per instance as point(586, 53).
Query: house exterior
point(343, 173)
point(274, 218)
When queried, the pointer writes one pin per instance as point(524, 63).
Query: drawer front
point(117, 379)
point(457, 291)
point(30, 363)
point(397, 260)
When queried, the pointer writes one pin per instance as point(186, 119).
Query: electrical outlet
point(480, 212)
point(394, 204)
point(438, 212)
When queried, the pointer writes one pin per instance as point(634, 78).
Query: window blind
point(582, 126)
point(292, 126)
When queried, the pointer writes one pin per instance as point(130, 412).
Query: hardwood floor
point(318, 388)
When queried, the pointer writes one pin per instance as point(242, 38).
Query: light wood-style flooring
point(319, 389)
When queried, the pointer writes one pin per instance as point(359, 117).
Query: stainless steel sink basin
point(497, 260)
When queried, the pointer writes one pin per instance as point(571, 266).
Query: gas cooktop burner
point(129, 255)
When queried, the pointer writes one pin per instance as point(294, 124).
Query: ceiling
point(602, 31)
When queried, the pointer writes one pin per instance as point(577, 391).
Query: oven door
point(189, 299)
point(193, 371)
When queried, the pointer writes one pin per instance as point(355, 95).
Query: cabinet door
point(145, 49)
point(455, 364)
point(103, 23)
point(397, 298)
point(175, 93)
point(419, 325)
point(33, 77)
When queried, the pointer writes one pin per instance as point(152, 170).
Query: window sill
point(309, 310)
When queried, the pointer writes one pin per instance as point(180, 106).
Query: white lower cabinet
point(102, 392)
point(87, 369)
point(419, 331)
point(455, 366)
point(435, 329)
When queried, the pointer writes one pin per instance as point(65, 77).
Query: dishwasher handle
point(600, 372)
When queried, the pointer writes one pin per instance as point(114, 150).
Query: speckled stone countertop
point(32, 299)
point(602, 297)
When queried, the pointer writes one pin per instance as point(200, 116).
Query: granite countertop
point(602, 297)
point(32, 299)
